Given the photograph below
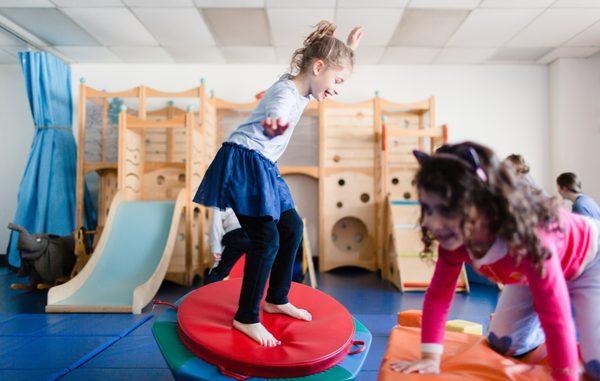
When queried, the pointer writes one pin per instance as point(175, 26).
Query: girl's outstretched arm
point(436, 306)
point(354, 37)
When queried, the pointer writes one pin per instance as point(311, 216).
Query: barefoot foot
point(258, 333)
point(288, 309)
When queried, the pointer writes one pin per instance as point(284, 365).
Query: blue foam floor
point(99, 347)
point(47, 346)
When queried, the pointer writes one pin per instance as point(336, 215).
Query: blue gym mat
point(47, 347)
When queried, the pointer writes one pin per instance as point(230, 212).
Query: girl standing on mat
point(244, 177)
point(480, 213)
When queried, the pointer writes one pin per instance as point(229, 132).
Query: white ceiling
point(268, 31)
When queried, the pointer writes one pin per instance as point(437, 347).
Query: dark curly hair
point(468, 175)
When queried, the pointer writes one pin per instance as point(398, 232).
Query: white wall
point(16, 135)
point(575, 120)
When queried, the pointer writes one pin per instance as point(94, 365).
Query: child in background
point(480, 214)
point(228, 242)
point(569, 187)
point(521, 168)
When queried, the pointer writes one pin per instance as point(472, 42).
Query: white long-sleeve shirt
point(222, 223)
point(281, 100)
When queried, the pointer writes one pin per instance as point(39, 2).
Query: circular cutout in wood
point(342, 182)
point(337, 158)
point(395, 181)
point(365, 197)
point(181, 177)
point(160, 179)
point(348, 234)
point(339, 204)
point(406, 195)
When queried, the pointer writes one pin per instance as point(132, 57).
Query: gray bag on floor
point(44, 257)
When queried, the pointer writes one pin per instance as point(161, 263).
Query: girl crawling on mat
point(244, 177)
point(480, 213)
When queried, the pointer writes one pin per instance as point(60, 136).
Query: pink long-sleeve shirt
point(572, 248)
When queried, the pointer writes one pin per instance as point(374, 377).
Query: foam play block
point(413, 318)
point(466, 357)
point(410, 318)
point(464, 326)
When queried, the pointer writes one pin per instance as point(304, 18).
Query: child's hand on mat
point(426, 365)
point(274, 127)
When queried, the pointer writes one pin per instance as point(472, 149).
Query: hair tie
point(474, 158)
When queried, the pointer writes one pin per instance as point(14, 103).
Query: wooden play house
point(359, 155)
point(175, 146)
point(347, 174)
point(404, 128)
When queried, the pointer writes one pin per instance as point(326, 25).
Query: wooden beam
point(299, 170)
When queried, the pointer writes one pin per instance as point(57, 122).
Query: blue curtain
point(46, 198)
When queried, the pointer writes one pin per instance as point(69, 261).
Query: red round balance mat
point(205, 327)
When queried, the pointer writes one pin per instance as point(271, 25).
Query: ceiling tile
point(291, 26)
point(159, 3)
point(300, 3)
point(555, 26)
point(142, 54)
point(50, 25)
point(372, 3)
point(238, 26)
point(379, 24)
point(92, 54)
point(176, 26)
point(205, 54)
point(230, 3)
point(491, 27)
point(112, 26)
point(26, 3)
point(444, 4)
point(589, 37)
point(576, 4)
point(568, 52)
point(396, 55)
point(368, 55)
point(427, 27)
point(516, 3)
point(87, 3)
point(519, 54)
point(6, 58)
point(249, 54)
point(464, 56)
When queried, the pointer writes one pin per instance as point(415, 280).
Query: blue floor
point(36, 346)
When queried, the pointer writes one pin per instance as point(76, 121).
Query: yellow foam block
point(464, 326)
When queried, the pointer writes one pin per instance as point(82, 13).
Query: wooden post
point(307, 257)
point(189, 270)
point(80, 194)
point(322, 236)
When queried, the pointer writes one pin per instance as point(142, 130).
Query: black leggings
point(272, 250)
